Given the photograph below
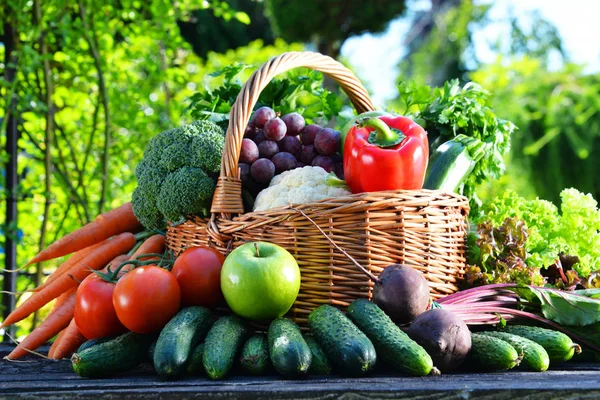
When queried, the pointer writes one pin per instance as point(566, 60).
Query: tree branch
point(89, 35)
point(78, 170)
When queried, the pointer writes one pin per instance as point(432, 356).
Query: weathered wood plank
point(35, 378)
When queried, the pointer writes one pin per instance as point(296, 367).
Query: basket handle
point(228, 195)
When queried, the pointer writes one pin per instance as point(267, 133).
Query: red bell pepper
point(385, 153)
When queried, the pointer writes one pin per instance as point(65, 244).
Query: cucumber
point(151, 350)
point(289, 353)
point(195, 366)
point(491, 354)
point(92, 342)
point(178, 338)
point(222, 343)
point(394, 346)
point(112, 357)
point(559, 346)
point(255, 355)
point(535, 358)
point(320, 364)
point(349, 349)
point(452, 162)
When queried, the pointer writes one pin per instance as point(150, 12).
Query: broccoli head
point(176, 177)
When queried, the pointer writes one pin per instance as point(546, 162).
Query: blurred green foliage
point(150, 72)
point(329, 23)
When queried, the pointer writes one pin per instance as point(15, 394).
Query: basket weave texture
point(422, 228)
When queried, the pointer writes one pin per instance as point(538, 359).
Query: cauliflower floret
point(298, 186)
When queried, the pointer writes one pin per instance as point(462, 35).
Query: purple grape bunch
point(274, 144)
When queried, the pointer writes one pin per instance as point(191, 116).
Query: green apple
point(260, 281)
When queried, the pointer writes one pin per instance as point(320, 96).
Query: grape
point(309, 132)
point(337, 158)
point(262, 116)
point(249, 152)
point(262, 170)
point(250, 131)
point(244, 172)
point(294, 123)
point(339, 170)
point(283, 162)
point(259, 137)
point(275, 129)
point(324, 162)
point(307, 154)
point(267, 149)
point(300, 164)
point(291, 144)
point(327, 141)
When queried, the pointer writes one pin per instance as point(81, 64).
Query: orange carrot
point(74, 259)
point(67, 343)
point(94, 260)
point(155, 244)
point(111, 223)
point(55, 343)
point(55, 322)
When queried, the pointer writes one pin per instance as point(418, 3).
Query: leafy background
point(119, 72)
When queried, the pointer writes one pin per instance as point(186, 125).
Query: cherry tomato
point(146, 299)
point(198, 271)
point(95, 314)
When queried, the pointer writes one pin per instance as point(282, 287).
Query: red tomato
point(95, 314)
point(146, 299)
point(198, 271)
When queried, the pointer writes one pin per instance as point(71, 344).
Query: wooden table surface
point(39, 378)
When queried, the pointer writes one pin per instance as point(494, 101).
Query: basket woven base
point(423, 229)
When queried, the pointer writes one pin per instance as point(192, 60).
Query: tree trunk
point(10, 223)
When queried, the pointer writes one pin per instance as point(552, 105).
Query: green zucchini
point(320, 364)
point(559, 346)
point(255, 355)
point(178, 338)
point(394, 346)
point(452, 162)
point(289, 353)
point(491, 354)
point(224, 340)
point(348, 348)
point(112, 357)
point(535, 358)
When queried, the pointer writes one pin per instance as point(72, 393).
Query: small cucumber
point(109, 358)
point(320, 364)
point(394, 346)
point(535, 358)
point(178, 338)
point(559, 346)
point(195, 366)
point(348, 348)
point(491, 354)
point(222, 343)
point(255, 355)
point(92, 342)
point(289, 353)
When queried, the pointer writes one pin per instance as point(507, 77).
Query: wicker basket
point(422, 228)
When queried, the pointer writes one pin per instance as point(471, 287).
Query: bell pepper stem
point(382, 135)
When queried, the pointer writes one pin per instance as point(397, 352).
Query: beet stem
point(363, 269)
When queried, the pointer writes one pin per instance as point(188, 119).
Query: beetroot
point(402, 293)
point(444, 336)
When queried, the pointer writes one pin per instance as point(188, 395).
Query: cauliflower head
point(299, 186)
